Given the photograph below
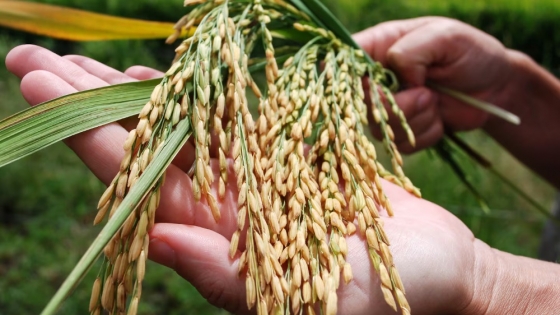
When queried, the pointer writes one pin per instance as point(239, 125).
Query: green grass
point(47, 200)
point(530, 7)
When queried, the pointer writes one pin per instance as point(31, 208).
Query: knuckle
point(217, 294)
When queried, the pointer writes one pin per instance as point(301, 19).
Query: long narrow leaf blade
point(303, 8)
point(72, 24)
point(323, 16)
point(38, 127)
point(138, 192)
point(481, 161)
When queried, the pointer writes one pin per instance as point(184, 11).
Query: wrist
point(532, 93)
point(507, 284)
point(526, 84)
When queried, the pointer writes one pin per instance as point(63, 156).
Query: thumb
point(377, 40)
point(201, 257)
point(409, 47)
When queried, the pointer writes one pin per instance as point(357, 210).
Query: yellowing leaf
point(71, 24)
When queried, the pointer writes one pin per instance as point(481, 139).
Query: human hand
point(445, 52)
point(433, 251)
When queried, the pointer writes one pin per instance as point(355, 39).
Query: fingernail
point(423, 100)
point(161, 253)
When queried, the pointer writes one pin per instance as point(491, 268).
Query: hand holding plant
point(292, 217)
point(187, 239)
point(435, 50)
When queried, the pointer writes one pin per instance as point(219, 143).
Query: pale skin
point(445, 269)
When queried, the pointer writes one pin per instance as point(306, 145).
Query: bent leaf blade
point(40, 126)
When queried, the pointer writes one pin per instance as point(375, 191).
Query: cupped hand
point(445, 52)
point(433, 250)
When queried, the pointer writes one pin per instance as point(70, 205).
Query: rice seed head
point(234, 243)
point(121, 185)
point(128, 280)
point(277, 290)
point(128, 225)
point(388, 296)
point(141, 266)
point(384, 275)
point(290, 202)
point(347, 273)
point(121, 298)
point(401, 300)
point(371, 238)
point(251, 292)
point(95, 294)
point(318, 286)
point(135, 248)
point(101, 213)
point(106, 197)
point(133, 307)
point(332, 306)
point(108, 295)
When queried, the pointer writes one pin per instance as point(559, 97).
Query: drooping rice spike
point(296, 208)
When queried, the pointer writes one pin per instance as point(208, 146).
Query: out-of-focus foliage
point(48, 200)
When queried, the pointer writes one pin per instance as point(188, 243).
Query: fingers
point(377, 40)
point(97, 69)
point(185, 158)
point(413, 53)
point(420, 106)
point(424, 139)
point(77, 73)
point(27, 58)
point(412, 47)
point(47, 76)
point(143, 73)
point(444, 51)
point(100, 148)
point(179, 205)
point(422, 111)
point(40, 85)
point(201, 257)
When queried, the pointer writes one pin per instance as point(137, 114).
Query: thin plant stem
point(487, 107)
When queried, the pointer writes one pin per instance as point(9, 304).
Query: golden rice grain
point(297, 208)
point(95, 294)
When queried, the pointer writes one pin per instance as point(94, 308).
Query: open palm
point(433, 250)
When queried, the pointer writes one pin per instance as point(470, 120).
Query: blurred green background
point(47, 200)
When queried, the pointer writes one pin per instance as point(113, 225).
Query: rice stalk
point(295, 205)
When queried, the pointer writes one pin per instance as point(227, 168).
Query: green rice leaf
point(145, 183)
point(481, 161)
point(292, 34)
point(448, 154)
point(323, 17)
point(40, 126)
point(303, 8)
